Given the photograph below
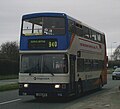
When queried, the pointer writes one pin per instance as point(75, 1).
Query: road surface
point(107, 98)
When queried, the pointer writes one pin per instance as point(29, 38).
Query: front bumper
point(116, 76)
point(44, 90)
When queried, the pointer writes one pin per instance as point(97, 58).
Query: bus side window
point(99, 37)
point(88, 64)
point(86, 32)
point(94, 37)
point(103, 39)
point(95, 65)
point(101, 64)
point(80, 65)
point(79, 30)
point(71, 27)
point(90, 33)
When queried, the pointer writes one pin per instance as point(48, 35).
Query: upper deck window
point(44, 26)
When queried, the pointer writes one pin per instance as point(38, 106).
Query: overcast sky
point(103, 15)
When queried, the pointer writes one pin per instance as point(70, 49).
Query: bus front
point(43, 56)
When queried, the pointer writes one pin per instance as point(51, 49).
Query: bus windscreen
point(43, 26)
point(44, 63)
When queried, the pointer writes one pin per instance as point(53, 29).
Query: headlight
point(57, 86)
point(26, 85)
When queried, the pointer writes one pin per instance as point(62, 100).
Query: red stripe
point(91, 42)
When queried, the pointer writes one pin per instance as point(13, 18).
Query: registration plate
point(41, 94)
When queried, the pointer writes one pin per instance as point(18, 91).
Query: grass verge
point(4, 77)
point(8, 87)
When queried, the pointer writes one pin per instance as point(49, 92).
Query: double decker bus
point(60, 56)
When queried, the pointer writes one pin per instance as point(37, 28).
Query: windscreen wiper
point(49, 70)
point(52, 73)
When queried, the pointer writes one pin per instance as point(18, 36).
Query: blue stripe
point(33, 15)
point(62, 41)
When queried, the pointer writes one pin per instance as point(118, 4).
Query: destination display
point(42, 43)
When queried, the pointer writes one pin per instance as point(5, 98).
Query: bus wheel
point(79, 88)
point(100, 83)
point(37, 97)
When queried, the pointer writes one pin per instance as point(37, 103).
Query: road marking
point(11, 101)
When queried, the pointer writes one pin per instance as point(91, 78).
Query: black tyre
point(113, 78)
point(100, 83)
point(79, 89)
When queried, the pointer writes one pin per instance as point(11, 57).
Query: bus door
point(72, 72)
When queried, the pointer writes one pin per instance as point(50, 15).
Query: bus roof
point(43, 14)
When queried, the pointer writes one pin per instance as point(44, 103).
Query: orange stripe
point(72, 38)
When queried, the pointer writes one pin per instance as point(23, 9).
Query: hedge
point(8, 67)
point(111, 64)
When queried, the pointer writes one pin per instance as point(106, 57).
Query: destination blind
point(42, 44)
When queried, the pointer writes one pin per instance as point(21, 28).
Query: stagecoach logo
point(35, 78)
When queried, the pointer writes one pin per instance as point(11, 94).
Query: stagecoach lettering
point(41, 78)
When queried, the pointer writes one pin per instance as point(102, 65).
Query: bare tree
point(116, 53)
point(10, 50)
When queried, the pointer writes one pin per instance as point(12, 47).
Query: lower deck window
point(84, 65)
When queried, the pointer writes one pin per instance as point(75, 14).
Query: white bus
point(60, 56)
